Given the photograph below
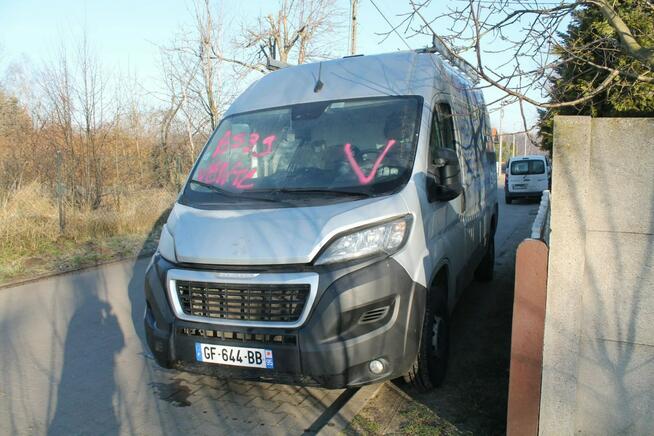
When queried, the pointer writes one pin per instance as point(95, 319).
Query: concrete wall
point(598, 355)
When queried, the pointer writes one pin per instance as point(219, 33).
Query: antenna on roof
point(319, 83)
point(437, 46)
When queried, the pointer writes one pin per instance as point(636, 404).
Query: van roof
point(390, 74)
point(529, 156)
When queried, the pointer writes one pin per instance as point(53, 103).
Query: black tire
point(486, 268)
point(429, 369)
point(508, 200)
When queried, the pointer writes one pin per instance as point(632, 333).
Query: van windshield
point(345, 148)
point(524, 167)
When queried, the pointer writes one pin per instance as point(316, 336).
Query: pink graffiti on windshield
point(223, 144)
point(219, 173)
point(254, 138)
point(237, 141)
point(363, 179)
point(268, 142)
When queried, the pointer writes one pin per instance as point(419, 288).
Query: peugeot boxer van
point(526, 177)
point(329, 226)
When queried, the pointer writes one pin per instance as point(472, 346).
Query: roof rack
point(440, 48)
point(274, 64)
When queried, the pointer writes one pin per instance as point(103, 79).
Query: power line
point(443, 56)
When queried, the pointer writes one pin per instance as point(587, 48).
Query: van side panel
point(455, 233)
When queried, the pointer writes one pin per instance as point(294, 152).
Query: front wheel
point(428, 370)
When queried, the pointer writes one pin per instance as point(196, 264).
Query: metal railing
point(540, 229)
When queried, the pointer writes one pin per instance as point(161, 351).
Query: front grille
point(275, 303)
point(228, 336)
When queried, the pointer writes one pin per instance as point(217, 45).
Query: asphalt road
point(73, 361)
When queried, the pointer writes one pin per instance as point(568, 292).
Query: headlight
point(167, 245)
point(386, 238)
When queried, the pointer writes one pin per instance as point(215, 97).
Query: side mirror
point(444, 179)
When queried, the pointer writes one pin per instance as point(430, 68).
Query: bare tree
point(55, 81)
point(197, 79)
point(299, 31)
point(15, 128)
point(198, 87)
point(473, 32)
point(89, 90)
point(80, 118)
point(199, 75)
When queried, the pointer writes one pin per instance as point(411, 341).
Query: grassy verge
point(32, 244)
point(69, 255)
point(392, 412)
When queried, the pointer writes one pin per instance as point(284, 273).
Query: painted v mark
point(363, 179)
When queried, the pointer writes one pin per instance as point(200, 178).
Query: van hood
point(292, 235)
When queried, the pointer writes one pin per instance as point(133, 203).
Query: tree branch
point(627, 39)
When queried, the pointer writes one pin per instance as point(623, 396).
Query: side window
point(442, 129)
point(435, 138)
point(446, 123)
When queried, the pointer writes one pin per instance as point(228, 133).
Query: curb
point(342, 418)
point(400, 392)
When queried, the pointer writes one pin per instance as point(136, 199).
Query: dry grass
point(133, 214)
point(391, 412)
point(31, 241)
point(28, 218)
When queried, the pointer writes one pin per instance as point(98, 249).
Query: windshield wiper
point(340, 192)
point(239, 195)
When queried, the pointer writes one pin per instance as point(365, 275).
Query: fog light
point(376, 366)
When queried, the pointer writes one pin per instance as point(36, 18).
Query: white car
point(526, 177)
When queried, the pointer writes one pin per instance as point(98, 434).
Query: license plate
point(519, 186)
point(236, 356)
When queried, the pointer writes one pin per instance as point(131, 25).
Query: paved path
point(73, 361)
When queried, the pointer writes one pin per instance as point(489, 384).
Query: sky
point(125, 34)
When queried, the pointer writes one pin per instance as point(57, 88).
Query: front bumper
point(332, 348)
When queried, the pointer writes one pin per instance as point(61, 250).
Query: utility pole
point(353, 41)
point(499, 169)
point(526, 134)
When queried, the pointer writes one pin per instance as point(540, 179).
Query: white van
point(526, 177)
point(329, 226)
